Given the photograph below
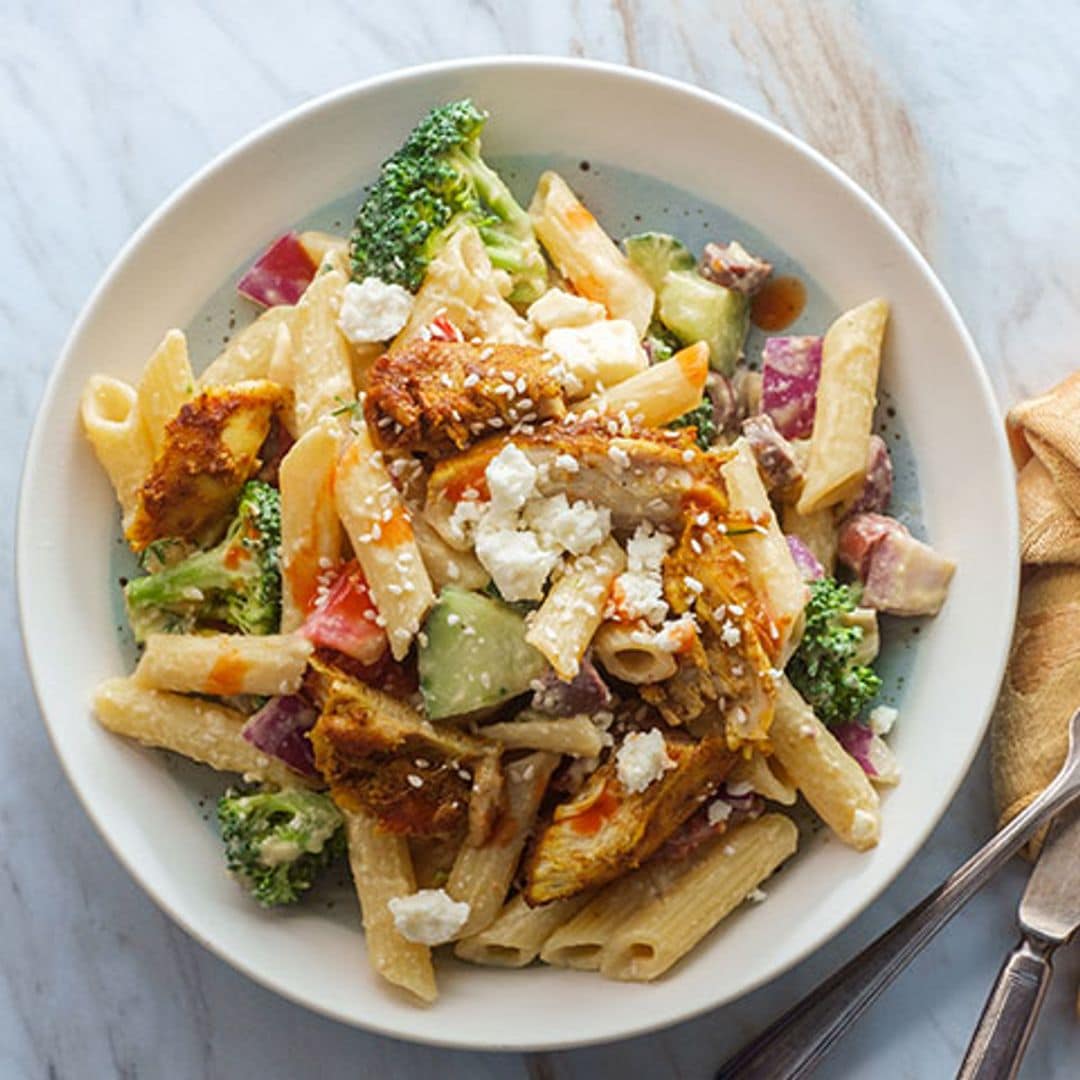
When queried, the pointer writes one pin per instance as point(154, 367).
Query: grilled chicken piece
point(379, 755)
point(732, 266)
point(775, 456)
point(211, 448)
point(436, 397)
point(738, 645)
point(606, 830)
point(647, 475)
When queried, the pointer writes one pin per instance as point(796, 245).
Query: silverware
point(1049, 916)
point(791, 1046)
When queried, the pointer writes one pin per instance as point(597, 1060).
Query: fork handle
point(1009, 1016)
point(795, 1043)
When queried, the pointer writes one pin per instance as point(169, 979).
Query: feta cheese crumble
point(882, 718)
point(639, 590)
point(560, 308)
point(586, 354)
point(520, 536)
point(718, 812)
point(642, 759)
point(371, 310)
point(428, 917)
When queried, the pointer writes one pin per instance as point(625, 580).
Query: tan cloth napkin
point(1029, 734)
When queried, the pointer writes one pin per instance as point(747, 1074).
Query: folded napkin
point(1041, 691)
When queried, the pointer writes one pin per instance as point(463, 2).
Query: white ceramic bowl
point(607, 115)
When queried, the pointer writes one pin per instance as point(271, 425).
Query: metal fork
point(794, 1044)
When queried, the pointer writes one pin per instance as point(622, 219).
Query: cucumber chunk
point(694, 309)
point(655, 254)
point(474, 654)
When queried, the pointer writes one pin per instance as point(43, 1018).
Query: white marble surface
point(961, 118)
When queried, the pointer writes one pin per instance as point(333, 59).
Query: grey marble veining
point(960, 118)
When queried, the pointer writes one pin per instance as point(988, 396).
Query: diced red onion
point(791, 367)
point(280, 729)
point(806, 562)
point(280, 274)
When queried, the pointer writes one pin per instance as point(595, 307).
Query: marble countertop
point(959, 118)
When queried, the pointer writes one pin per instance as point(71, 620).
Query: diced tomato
point(442, 329)
point(280, 274)
point(346, 619)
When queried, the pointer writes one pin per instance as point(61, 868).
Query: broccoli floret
point(701, 419)
point(237, 583)
point(434, 183)
point(279, 841)
point(660, 342)
point(823, 668)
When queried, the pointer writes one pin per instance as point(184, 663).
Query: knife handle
point(1009, 1016)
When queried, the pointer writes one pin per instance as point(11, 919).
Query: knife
point(1049, 916)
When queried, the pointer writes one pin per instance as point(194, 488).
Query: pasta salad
point(489, 562)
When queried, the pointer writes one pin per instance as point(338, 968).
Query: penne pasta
point(659, 394)
point(166, 383)
point(322, 364)
point(110, 418)
point(382, 537)
point(817, 530)
point(481, 876)
point(320, 244)
point(579, 943)
point(831, 780)
point(766, 778)
point(197, 729)
point(846, 396)
point(695, 895)
point(223, 664)
point(248, 355)
point(564, 624)
point(515, 938)
point(633, 653)
point(382, 870)
point(444, 564)
point(461, 285)
point(311, 536)
point(574, 735)
point(586, 255)
point(769, 563)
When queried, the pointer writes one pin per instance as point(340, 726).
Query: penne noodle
point(580, 942)
point(659, 394)
point(382, 870)
point(695, 895)
point(515, 938)
point(846, 396)
point(574, 735)
point(446, 565)
point(831, 780)
point(461, 285)
point(631, 652)
point(769, 563)
point(817, 530)
point(167, 382)
point(197, 729)
point(585, 254)
point(564, 624)
point(322, 364)
point(248, 355)
point(481, 876)
point(766, 777)
point(311, 538)
point(382, 537)
point(223, 664)
point(320, 244)
point(110, 417)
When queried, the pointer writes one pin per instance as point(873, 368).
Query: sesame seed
point(415, 780)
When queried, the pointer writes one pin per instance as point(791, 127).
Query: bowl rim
point(915, 838)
